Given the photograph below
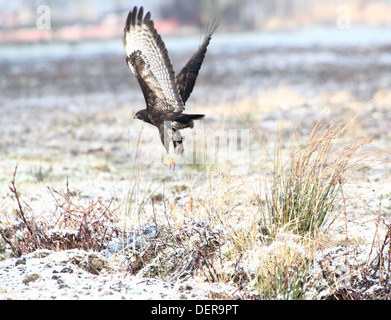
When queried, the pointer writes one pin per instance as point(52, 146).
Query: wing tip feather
point(140, 16)
point(147, 18)
point(136, 17)
point(211, 28)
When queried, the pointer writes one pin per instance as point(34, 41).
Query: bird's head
point(136, 116)
point(141, 115)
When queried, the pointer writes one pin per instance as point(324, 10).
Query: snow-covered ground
point(77, 274)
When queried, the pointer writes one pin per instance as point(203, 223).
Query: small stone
point(67, 270)
point(31, 278)
point(97, 263)
point(39, 254)
point(20, 261)
point(61, 284)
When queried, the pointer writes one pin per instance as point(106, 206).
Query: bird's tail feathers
point(188, 118)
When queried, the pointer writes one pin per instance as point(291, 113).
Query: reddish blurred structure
point(73, 20)
point(76, 32)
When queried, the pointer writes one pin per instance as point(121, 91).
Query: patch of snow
point(66, 275)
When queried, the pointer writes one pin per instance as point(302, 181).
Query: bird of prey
point(165, 94)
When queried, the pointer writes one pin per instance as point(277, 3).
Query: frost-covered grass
point(303, 186)
point(264, 233)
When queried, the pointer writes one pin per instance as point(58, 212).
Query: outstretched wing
point(148, 59)
point(186, 79)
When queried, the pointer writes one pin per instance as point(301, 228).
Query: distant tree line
point(245, 13)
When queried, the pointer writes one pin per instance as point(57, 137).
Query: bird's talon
point(166, 161)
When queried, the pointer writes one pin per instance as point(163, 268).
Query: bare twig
point(20, 212)
point(15, 250)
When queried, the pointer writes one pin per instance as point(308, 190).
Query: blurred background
point(280, 40)
point(172, 15)
point(65, 89)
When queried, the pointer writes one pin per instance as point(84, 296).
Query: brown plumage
point(165, 95)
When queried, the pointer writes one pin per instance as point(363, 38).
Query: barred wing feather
point(148, 59)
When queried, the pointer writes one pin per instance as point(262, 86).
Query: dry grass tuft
point(302, 188)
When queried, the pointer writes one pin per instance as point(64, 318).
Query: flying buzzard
point(165, 95)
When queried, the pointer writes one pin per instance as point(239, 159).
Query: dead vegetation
point(75, 227)
point(271, 246)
